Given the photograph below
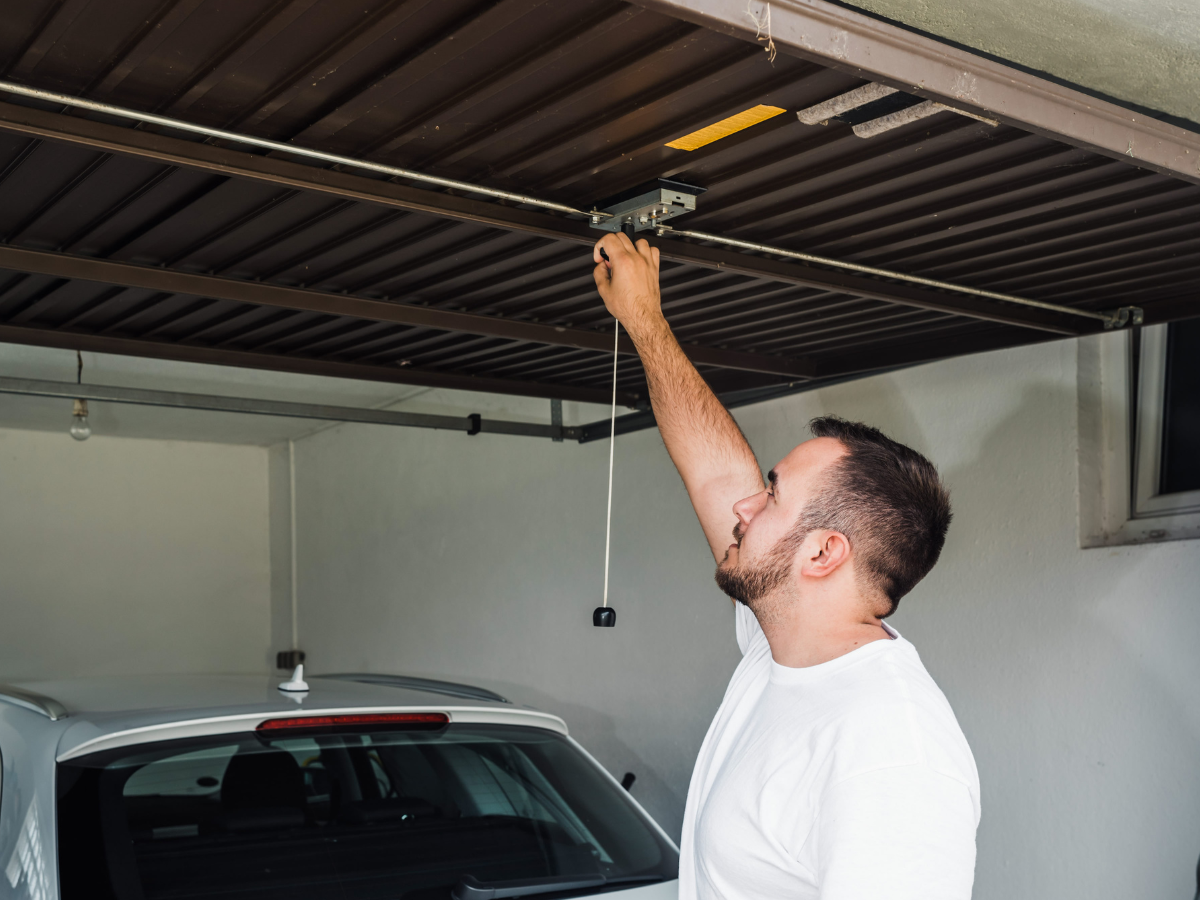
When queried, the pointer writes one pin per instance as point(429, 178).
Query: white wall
point(123, 555)
point(1072, 671)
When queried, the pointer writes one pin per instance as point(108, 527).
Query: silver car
point(354, 787)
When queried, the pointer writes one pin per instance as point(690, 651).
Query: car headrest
point(265, 779)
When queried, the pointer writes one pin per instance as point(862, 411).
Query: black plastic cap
point(288, 659)
point(604, 617)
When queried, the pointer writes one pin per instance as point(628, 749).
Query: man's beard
point(755, 585)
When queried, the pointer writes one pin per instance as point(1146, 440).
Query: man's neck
point(803, 634)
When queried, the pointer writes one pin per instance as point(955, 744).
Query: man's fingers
point(614, 244)
point(626, 275)
point(607, 244)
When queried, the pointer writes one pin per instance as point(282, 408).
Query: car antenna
point(296, 684)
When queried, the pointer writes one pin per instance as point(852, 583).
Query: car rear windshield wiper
point(471, 888)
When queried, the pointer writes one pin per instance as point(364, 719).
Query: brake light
point(355, 721)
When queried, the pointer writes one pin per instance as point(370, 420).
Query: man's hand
point(717, 465)
point(628, 282)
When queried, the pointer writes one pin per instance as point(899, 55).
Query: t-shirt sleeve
point(904, 833)
point(745, 626)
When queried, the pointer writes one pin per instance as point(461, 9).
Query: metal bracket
point(646, 206)
point(1126, 315)
point(556, 425)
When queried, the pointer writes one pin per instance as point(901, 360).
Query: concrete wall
point(279, 488)
point(122, 555)
point(1145, 52)
point(1072, 671)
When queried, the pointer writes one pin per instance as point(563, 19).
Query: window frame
point(1120, 443)
point(1147, 466)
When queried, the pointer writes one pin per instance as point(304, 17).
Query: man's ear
point(823, 553)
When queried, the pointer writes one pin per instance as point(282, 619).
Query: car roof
point(112, 693)
point(110, 711)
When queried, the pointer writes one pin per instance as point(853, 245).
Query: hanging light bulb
point(80, 429)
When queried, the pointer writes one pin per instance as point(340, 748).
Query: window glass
point(386, 814)
point(1180, 469)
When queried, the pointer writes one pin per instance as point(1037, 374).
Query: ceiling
point(143, 242)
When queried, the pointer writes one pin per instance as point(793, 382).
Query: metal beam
point(1037, 315)
point(1172, 310)
point(30, 387)
point(849, 41)
point(121, 346)
point(643, 419)
point(916, 352)
point(834, 370)
point(221, 160)
point(64, 265)
point(208, 132)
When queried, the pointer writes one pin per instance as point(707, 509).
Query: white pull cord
point(611, 444)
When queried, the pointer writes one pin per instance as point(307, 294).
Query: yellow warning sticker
point(724, 128)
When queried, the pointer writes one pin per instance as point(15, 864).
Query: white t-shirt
point(849, 780)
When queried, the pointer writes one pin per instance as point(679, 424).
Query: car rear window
point(368, 814)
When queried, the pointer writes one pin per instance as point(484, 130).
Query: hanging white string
point(611, 445)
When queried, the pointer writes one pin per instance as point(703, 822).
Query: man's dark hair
point(888, 500)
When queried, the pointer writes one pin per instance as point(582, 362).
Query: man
point(834, 768)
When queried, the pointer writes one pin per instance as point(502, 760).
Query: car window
point(373, 814)
point(186, 774)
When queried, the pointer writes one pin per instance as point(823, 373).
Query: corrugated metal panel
point(570, 101)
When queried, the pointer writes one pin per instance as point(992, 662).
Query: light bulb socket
point(80, 429)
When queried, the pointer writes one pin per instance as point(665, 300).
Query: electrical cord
point(612, 441)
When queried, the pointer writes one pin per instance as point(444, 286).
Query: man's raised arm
point(706, 445)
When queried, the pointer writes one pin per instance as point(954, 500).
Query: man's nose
point(748, 508)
